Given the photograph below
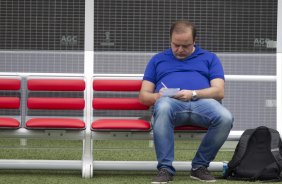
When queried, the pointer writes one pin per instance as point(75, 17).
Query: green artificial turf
point(103, 150)
point(100, 177)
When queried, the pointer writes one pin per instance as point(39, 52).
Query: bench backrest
point(123, 103)
point(117, 107)
point(55, 102)
point(10, 101)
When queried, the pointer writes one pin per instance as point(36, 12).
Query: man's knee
point(163, 105)
point(227, 119)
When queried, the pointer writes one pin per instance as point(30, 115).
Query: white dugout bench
point(67, 108)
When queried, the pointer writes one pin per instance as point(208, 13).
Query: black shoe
point(202, 174)
point(163, 177)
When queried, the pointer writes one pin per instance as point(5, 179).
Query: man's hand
point(184, 95)
point(161, 92)
point(215, 91)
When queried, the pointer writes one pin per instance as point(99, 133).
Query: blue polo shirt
point(193, 73)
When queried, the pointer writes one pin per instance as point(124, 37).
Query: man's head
point(182, 38)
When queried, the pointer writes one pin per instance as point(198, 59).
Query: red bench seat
point(190, 128)
point(57, 123)
point(133, 125)
point(121, 124)
point(8, 122)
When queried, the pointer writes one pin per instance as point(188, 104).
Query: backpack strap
point(275, 149)
point(241, 148)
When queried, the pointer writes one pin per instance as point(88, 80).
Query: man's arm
point(216, 91)
point(147, 95)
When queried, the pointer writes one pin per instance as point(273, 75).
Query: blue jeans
point(169, 113)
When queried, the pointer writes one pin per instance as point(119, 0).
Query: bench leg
point(87, 160)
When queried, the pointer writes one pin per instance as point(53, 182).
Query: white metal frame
point(87, 171)
point(87, 164)
point(151, 165)
point(50, 134)
point(279, 68)
point(234, 135)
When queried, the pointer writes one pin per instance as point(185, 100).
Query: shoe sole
point(164, 182)
point(195, 178)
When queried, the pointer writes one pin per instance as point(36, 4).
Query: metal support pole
point(87, 169)
point(147, 166)
point(279, 68)
point(41, 164)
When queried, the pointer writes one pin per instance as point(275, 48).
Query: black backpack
point(257, 156)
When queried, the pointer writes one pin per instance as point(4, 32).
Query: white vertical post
point(279, 67)
point(87, 166)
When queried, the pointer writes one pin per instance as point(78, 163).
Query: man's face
point(182, 44)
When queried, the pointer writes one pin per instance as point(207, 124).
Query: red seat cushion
point(190, 128)
point(55, 123)
point(116, 85)
point(9, 122)
point(121, 124)
point(56, 103)
point(56, 84)
point(118, 104)
point(10, 84)
point(9, 102)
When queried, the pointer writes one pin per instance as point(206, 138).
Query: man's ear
point(195, 40)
